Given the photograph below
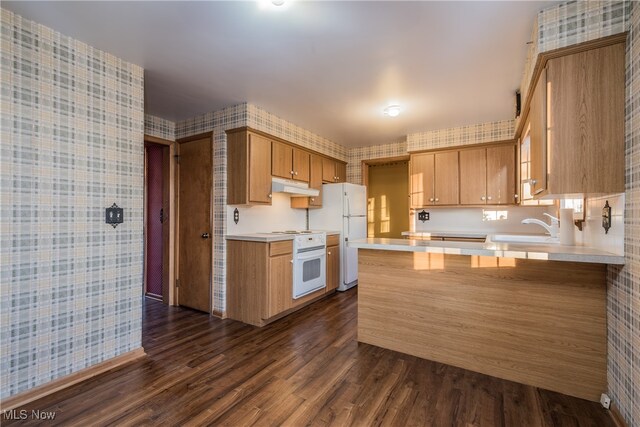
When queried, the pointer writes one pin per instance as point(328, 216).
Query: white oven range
point(309, 263)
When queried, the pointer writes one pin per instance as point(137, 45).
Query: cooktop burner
point(292, 232)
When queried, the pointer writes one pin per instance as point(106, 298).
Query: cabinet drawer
point(281, 248)
point(333, 240)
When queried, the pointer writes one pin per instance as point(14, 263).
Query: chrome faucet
point(551, 229)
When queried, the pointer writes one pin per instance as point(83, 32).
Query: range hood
point(294, 188)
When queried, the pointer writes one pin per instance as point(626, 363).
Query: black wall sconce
point(606, 217)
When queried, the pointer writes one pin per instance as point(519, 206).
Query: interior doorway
point(157, 219)
point(387, 182)
point(195, 234)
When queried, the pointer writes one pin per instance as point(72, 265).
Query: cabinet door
point(501, 175)
point(585, 115)
point(259, 165)
point(315, 179)
point(333, 267)
point(538, 136)
point(281, 160)
point(341, 172)
point(280, 286)
point(328, 170)
point(300, 165)
point(447, 188)
point(473, 177)
point(421, 176)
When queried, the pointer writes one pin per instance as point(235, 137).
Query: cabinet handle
point(437, 200)
point(534, 181)
point(291, 172)
point(482, 198)
point(313, 200)
point(269, 196)
point(296, 173)
point(291, 261)
point(515, 196)
point(328, 253)
point(489, 198)
point(431, 199)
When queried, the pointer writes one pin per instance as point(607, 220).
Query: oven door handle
point(309, 255)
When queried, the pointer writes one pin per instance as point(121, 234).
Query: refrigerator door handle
point(346, 197)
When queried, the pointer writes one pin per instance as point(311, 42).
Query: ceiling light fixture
point(277, 2)
point(392, 111)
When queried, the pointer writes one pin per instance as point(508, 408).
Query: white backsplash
point(593, 235)
point(263, 219)
point(471, 219)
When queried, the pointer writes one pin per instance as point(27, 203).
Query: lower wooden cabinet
point(333, 263)
point(260, 281)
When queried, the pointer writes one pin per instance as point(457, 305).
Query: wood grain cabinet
point(333, 170)
point(576, 124)
point(333, 263)
point(488, 175)
point(248, 168)
point(260, 281)
point(315, 181)
point(434, 179)
point(289, 162)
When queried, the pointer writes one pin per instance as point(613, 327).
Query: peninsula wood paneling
point(541, 323)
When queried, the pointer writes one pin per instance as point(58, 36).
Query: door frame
point(169, 239)
point(364, 167)
point(176, 244)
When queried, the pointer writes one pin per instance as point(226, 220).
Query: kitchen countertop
point(270, 237)
point(460, 234)
point(501, 250)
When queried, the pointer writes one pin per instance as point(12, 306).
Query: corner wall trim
point(616, 416)
point(58, 384)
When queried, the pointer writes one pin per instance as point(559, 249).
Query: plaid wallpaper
point(358, 154)
point(158, 127)
point(220, 121)
point(72, 145)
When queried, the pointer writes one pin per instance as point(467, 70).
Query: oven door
point(309, 272)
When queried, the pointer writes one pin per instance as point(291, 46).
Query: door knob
point(431, 199)
point(489, 198)
point(205, 235)
point(437, 200)
point(482, 198)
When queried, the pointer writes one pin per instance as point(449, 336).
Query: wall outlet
point(605, 401)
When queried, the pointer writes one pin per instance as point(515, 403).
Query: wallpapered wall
point(72, 144)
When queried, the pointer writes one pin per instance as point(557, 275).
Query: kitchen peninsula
point(535, 314)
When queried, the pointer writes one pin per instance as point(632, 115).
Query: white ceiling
point(330, 67)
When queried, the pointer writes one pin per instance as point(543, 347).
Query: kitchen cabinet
point(289, 162)
point(315, 181)
point(260, 281)
point(488, 175)
point(333, 263)
point(576, 124)
point(248, 168)
point(333, 171)
point(434, 179)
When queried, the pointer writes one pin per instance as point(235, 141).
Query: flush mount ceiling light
point(277, 2)
point(392, 111)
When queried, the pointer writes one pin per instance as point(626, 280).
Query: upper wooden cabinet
point(434, 179)
point(248, 168)
point(289, 162)
point(333, 171)
point(488, 175)
point(576, 124)
point(315, 181)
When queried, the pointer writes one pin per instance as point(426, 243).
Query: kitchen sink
point(541, 239)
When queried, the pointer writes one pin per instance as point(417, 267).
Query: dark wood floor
point(306, 369)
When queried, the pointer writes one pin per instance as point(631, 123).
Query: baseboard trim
point(615, 414)
point(219, 314)
point(58, 384)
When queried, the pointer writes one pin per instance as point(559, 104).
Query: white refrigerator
point(344, 209)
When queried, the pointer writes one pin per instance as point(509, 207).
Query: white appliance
point(293, 188)
point(344, 209)
point(309, 263)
